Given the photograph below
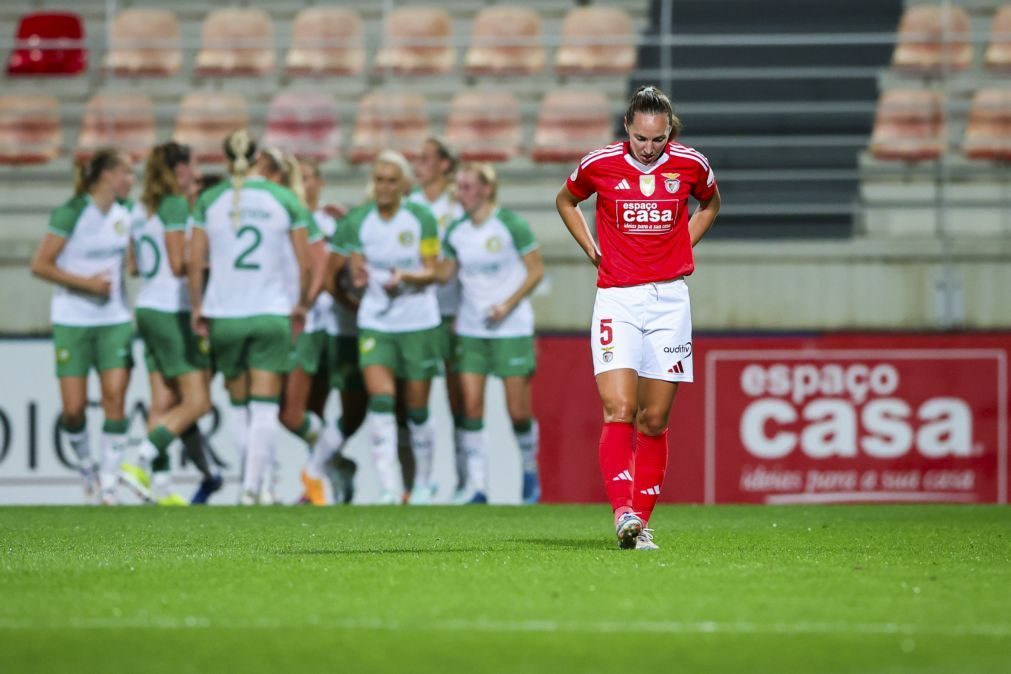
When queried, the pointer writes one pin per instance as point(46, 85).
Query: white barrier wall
point(35, 469)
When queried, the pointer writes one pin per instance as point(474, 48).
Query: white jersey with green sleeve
point(247, 258)
point(94, 242)
point(398, 243)
point(446, 211)
point(291, 268)
point(490, 259)
point(160, 289)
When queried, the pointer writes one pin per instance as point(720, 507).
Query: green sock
point(161, 438)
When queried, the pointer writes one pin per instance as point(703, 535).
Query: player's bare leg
point(296, 417)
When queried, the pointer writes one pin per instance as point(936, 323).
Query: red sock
point(650, 467)
point(616, 463)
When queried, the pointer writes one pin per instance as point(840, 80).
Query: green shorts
point(411, 355)
point(314, 352)
point(447, 339)
point(103, 347)
point(500, 356)
point(170, 345)
point(253, 343)
point(345, 374)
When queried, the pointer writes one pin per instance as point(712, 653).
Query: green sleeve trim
point(174, 213)
point(64, 219)
point(206, 200)
point(429, 225)
point(347, 238)
point(519, 229)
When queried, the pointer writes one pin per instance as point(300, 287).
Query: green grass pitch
point(495, 589)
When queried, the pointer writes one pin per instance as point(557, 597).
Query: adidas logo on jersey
point(623, 185)
point(652, 491)
point(623, 475)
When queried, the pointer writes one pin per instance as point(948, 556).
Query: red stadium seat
point(49, 43)
point(596, 41)
point(570, 124)
point(326, 41)
point(29, 129)
point(505, 41)
point(393, 120)
point(144, 42)
point(909, 126)
point(305, 124)
point(988, 134)
point(123, 120)
point(933, 38)
point(417, 41)
point(998, 53)
point(236, 41)
point(205, 118)
point(484, 126)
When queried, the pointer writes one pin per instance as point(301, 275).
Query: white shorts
point(646, 328)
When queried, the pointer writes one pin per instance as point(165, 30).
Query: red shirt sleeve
point(580, 182)
point(704, 185)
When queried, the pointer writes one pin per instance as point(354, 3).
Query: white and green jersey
point(490, 258)
point(291, 270)
point(94, 242)
point(398, 243)
point(160, 289)
point(446, 211)
point(247, 259)
point(323, 315)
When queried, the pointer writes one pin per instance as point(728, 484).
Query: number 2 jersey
point(642, 211)
point(248, 266)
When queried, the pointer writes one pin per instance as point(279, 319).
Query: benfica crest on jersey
point(647, 185)
point(671, 184)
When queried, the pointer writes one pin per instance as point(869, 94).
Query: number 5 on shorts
point(606, 332)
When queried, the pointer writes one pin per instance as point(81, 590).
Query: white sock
point(161, 485)
point(460, 455)
point(383, 431)
point(80, 443)
point(263, 428)
point(330, 443)
point(146, 453)
point(315, 426)
point(474, 443)
point(113, 449)
point(238, 427)
point(529, 443)
point(422, 447)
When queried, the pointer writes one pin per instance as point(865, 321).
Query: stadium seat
point(998, 52)
point(306, 124)
point(29, 129)
point(123, 120)
point(205, 118)
point(570, 124)
point(909, 126)
point(596, 41)
point(417, 41)
point(144, 42)
point(484, 125)
point(389, 119)
point(505, 41)
point(236, 41)
point(48, 43)
point(326, 41)
point(988, 133)
point(933, 38)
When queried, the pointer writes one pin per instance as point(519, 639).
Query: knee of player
point(620, 411)
point(651, 422)
point(199, 405)
point(72, 419)
point(519, 414)
point(113, 402)
point(473, 408)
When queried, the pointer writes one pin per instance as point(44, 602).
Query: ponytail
point(159, 174)
point(240, 148)
point(649, 100)
point(87, 174)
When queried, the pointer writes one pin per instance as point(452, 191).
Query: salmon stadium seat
point(596, 41)
point(484, 125)
point(326, 41)
point(570, 124)
point(932, 39)
point(48, 43)
point(144, 42)
point(389, 120)
point(505, 41)
point(205, 118)
point(909, 126)
point(988, 133)
point(998, 52)
point(305, 124)
point(417, 41)
point(122, 120)
point(236, 41)
point(29, 129)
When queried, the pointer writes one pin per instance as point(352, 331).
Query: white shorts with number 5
point(646, 328)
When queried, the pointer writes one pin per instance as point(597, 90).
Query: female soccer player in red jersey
point(641, 333)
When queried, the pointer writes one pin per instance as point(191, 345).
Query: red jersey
point(642, 211)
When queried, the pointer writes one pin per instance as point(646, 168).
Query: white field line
point(521, 626)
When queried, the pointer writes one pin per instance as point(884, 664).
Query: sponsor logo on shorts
point(677, 368)
point(683, 350)
point(646, 217)
point(63, 355)
point(672, 184)
point(368, 344)
point(608, 354)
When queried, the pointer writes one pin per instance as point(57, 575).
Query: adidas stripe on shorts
point(646, 328)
